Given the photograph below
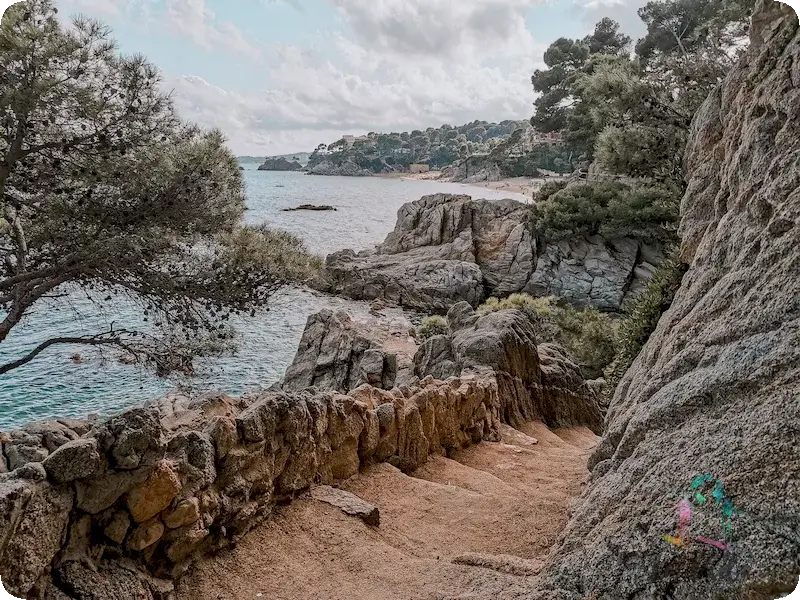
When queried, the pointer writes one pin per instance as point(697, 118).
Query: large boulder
point(335, 353)
point(446, 249)
point(533, 382)
point(715, 390)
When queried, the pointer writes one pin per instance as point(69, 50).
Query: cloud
point(95, 8)
point(194, 20)
point(623, 11)
point(437, 29)
point(382, 65)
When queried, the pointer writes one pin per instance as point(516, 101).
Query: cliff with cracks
point(446, 249)
point(715, 395)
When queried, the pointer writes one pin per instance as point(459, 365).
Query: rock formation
point(337, 354)
point(537, 383)
point(346, 169)
point(312, 207)
point(123, 507)
point(280, 164)
point(715, 390)
point(446, 249)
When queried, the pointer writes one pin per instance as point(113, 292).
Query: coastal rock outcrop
point(346, 169)
point(712, 404)
point(122, 508)
point(536, 382)
point(446, 249)
point(280, 164)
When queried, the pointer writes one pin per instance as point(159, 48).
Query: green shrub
point(642, 316)
point(431, 326)
point(587, 335)
point(648, 213)
point(576, 210)
point(548, 189)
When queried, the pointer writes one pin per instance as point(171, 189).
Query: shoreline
point(525, 186)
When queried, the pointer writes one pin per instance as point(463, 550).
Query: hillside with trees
point(396, 152)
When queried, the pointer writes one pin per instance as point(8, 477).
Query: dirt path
point(499, 506)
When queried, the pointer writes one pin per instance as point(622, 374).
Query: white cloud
point(98, 8)
point(384, 65)
point(194, 20)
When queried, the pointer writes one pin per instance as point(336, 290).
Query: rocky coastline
point(447, 248)
point(123, 507)
point(280, 164)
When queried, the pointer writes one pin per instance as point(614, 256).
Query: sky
point(282, 76)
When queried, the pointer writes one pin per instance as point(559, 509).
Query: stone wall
point(124, 508)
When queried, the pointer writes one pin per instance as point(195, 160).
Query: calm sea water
point(55, 385)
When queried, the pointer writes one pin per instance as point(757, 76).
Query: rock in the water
point(312, 207)
point(715, 389)
point(348, 503)
point(280, 164)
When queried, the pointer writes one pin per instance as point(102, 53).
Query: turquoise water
point(56, 385)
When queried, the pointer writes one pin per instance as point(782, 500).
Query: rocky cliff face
point(446, 249)
point(337, 353)
point(716, 390)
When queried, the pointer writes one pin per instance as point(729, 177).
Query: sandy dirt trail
point(475, 526)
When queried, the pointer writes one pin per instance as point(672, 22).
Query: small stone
point(146, 535)
point(21, 454)
point(224, 435)
point(155, 494)
point(348, 503)
point(117, 527)
point(77, 459)
point(186, 513)
point(188, 543)
point(31, 472)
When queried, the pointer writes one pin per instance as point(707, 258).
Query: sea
point(76, 381)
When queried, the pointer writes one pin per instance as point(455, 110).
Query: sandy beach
point(516, 185)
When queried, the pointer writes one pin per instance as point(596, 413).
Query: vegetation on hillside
point(105, 191)
point(642, 316)
point(387, 152)
point(432, 325)
point(628, 114)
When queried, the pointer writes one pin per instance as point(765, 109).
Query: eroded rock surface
point(537, 383)
point(717, 388)
point(446, 249)
point(337, 353)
